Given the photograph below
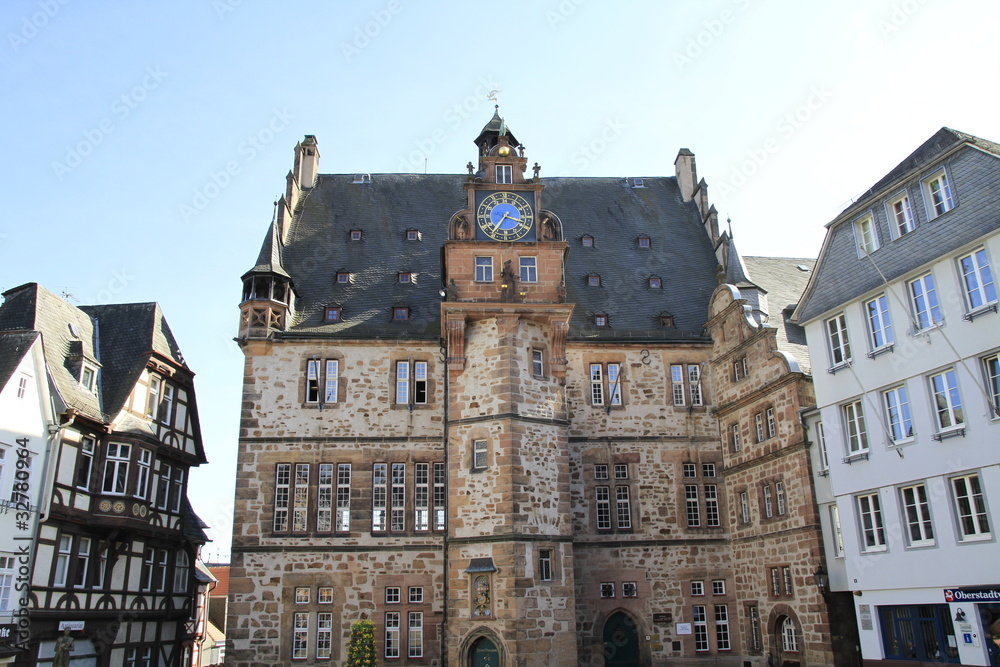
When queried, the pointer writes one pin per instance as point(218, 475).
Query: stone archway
point(481, 648)
point(620, 641)
point(786, 641)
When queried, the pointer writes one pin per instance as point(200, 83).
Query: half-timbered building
point(116, 539)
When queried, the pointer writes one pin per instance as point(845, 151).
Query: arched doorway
point(621, 641)
point(787, 642)
point(484, 653)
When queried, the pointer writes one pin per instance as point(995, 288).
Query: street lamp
point(822, 580)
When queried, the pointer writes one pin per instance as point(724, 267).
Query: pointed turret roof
point(269, 259)
point(495, 128)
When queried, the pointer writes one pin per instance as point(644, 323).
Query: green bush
point(361, 647)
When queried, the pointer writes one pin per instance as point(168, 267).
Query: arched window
point(789, 638)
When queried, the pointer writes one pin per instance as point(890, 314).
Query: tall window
point(694, 383)
point(116, 467)
point(838, 533)
point(484, 269)
point(64, 553)
point(772, 426)
point(740, 369)
point(734, 437)
point(603, 494)
point(866, 236)
point(947, 403)
point(840, 347)
point(991, 366)
point(789, 637)
point(439, 496)
point(758, 421)
point(182, 565)
point(598, 390)
point(744, 507)
point(824, 459)
point(415, 636)
point(854, 421)
point(537, 365)
point(623, 507)
point(480, 455)
point(700, 622)
point(768, 503)
point(411, 382)
point(779, 498)
point(677, 384)
point(282, 485)
point(421, 496)
point(324, 635)
point(692, 509)
point(380, 473)
point(926, 310)
point(901, 216)
point(971, 507)
point(938, 192)
point(300, 636)
point(505, 173)
point(529, 269)
point(897, 411)
point(6, 582)
point(392, 634)
point(918, 515)
point(85, 464)
point(153, 396)
point(82, 562)
point(879, 325)
point(397, 518)
point(872, 528)
point(722, 627)
point(545, 564)
point(712, 518)
point(300, 498)
point(755, 638)
point(324, 498)
point(330, 377)
point(142, 479)
point(977, 279)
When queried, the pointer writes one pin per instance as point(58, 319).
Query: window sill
point(832, 370)
point(922, 545)
point(950, 433)
point(858, 456)
point(893, 444)
point(923, 331)
point(874, 550)
point(982, 310)
point(880, 350)
point(983, 537)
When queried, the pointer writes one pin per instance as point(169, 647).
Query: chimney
point(687, 173)
point(306, 162)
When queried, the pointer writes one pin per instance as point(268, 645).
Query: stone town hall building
point(480, 410)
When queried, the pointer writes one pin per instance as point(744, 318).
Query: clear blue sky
point(143, 143)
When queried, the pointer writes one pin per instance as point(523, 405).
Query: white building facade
point(901, 320)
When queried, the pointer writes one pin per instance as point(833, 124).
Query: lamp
point(822, 580)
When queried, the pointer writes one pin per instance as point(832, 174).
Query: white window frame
point(603, 506)
point(916, 515)
point(116, 468)
point(528, 269)
point(677, 384)
point(324, 635)
point(897, 413)
point(838, 532)
point(925, 304)
point(84, 467)
point(692, 507)
point(780, 500)
point(380, 497)
point(623, 508)
point(7, 570)
point(397, 497)
point(734, 431)
point(324, 498)
point(505, 174)
point(946, 400)
point(758, 420)
point(415, 594)
point(712, 516)
point(537, 363)
point(415, 634)
point(630, 589)
point(970, 508)
point(605, 380)
point(772, 425)
point(866, 235)
point(412, 383)
point(282, 496)
point(700, 622)
point(421, 496)
point(697, 588)
point(744, 507)
point(870, 523)
point(300, 497)
point(324, 595)
point(824, 457)
point(880, 334)
point(484, 269)
point(545, 564)
point(937, 194)
point(977, 280)
point(438, 498)
point(718, 587)
point(302, 594)
point(900, 215)
point(480, 454)
point(838, 340)
point(88, 377)
point(300, 635)
point(722, 638)
point(767, 502)
point(694, 384)
point(144, 469)
point(991, 375)
point(789, 636)
point(393, 595)
point(853, 414)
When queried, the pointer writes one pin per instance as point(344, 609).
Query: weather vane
point(495, 96)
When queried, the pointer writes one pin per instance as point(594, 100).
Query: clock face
point(505, 216)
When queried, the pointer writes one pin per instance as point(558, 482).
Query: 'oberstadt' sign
point(972, 594)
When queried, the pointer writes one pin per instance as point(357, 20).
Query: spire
point(494, 129)
point(269, 259)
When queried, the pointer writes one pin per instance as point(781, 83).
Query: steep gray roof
point(974, 177)
point(269, 259)
point(784, 282)
point(318, 246)
point(13, 346)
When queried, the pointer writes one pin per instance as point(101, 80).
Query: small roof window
point(355, 234)
point(655, 282)
point(362, 178)
point(400, 313)
point(587, 241)
point(412, 235)
point(405, 277)
point(600, 320)
point(594, 280)
point(343, 277)
point(332, 314)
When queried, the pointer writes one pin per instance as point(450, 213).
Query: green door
point(485, 654)
point(621, 643)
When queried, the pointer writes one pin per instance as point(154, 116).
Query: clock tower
point(509, 550)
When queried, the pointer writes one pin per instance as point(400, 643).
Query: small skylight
point(362, 178)
point(802, 267)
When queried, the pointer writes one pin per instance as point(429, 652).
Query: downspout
point(447, 479)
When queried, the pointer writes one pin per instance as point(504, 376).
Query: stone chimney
point(306, 162)
point(687, 173)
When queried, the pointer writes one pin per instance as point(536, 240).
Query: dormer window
point(355, 234)
point(594, 280)
point(655, 282)
point(587, 241)
point(74, 330)
point(405, 277)
point(505, 173)
point(332, 313)
point(600, 320)
point(401, 313)
point(362, 178)
point(644, 241)
point(88, 377)
point(666, 320)
point(412, 235)
point(343, 277)
point(637, 183)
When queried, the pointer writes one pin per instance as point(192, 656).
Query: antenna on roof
point(729, 223)
point(66, 294)
point(274, 212)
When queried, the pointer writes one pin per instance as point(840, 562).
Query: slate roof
point(13, 346)
point(841, 276)
point(191, 524)
point(784, 282)
point(615, 214)
point(116, 338)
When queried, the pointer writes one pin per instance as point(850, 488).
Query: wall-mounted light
point(822, 580)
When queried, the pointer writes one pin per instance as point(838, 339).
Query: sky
point(144, 143)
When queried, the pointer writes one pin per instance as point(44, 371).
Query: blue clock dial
point(505, 216)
